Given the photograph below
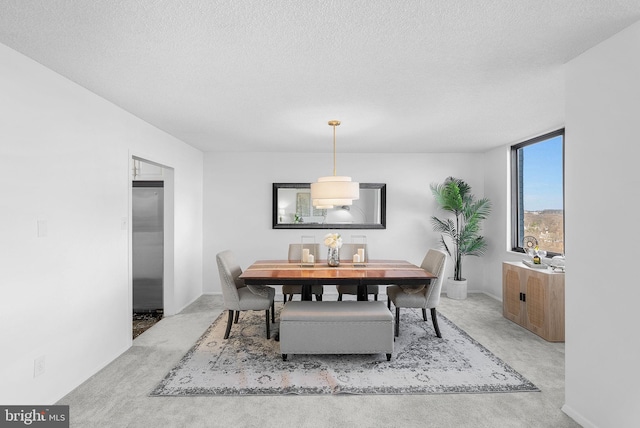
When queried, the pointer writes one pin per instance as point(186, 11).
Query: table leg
point(306, 292)
point(362, 293)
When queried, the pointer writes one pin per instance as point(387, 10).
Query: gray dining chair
point(239, 297)
point(425, 298)
point(295, 255)
point(346, 254)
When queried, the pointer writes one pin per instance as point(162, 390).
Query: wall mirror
point(292, 209)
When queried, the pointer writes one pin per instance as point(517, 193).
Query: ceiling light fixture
point(334, 190)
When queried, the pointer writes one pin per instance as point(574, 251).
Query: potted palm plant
point(462, 231)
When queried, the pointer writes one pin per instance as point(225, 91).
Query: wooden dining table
point(373, 272)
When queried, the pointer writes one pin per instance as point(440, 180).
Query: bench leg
point(229, 322)
point(273, 311)
point(424, 314)
point(397, 321)
point(284, 357)
point(388, 357)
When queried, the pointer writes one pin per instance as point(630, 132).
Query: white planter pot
point(456, 289)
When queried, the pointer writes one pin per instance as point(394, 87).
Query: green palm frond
point(454, 196)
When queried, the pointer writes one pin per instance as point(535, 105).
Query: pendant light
point(334, 190)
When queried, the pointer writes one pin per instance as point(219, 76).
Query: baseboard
point(76, 381)
point(498, 298)
point(577, 417)
point(185, 306)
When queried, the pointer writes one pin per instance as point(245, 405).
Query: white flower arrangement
point(333, 240)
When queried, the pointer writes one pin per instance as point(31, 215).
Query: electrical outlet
point(38, 366)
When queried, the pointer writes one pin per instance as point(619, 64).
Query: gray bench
point(336, 328)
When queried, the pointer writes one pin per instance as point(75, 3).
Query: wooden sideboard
point(534, 299)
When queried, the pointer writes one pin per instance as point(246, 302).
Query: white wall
point(64, 163)
point(602, 136)
point(496, 227)
point(238, 201)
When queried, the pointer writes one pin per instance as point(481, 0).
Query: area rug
point(249, 364)
point(144, 321)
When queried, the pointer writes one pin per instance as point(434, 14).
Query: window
point(537, 193)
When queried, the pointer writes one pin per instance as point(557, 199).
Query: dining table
point(373, 272)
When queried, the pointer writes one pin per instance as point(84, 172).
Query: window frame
point(516, 189)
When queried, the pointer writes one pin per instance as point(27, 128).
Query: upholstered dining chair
point(295, 255)
point(346, 254)
point(426, 298)
point(239, 297)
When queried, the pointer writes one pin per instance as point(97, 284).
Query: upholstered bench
point(336, 328)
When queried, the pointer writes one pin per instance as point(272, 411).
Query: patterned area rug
point(249, 364)
point(144, 321)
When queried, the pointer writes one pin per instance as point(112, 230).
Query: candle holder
point(308, 256)
point(359, 242)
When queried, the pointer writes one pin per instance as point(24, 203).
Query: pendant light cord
point(334, 150)
point(334, 123)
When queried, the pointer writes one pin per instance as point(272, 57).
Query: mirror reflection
point(292, 209)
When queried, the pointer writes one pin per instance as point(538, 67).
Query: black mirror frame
point(383, 209)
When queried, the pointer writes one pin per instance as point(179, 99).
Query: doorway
point(151, 243)
point(147, 237)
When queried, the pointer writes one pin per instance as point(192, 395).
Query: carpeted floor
point(249, 364)
point(118, 395)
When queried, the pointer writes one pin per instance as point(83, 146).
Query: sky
point(543, 175)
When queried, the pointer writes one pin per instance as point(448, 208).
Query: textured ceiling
point(267, 75)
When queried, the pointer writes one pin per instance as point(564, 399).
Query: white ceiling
point(267, 75)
